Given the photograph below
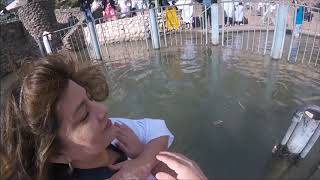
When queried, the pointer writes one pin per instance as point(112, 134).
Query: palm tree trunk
point(38, 16)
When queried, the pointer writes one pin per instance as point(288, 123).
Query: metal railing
point(8, 17)
point(180, 24)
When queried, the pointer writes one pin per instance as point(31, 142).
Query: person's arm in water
point(184, 167)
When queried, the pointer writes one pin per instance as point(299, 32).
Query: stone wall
point(127, 29)
point(63, 14)
point(15, 47)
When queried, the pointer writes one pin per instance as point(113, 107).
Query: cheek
point(89, 137)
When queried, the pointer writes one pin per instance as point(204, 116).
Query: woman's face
point(84, 127)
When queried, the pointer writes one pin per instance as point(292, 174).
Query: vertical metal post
point(195, 22)
point(40, 47)
point(201, 22)
point(145, 32)
point(46, 43)
point(206, 22)
point(86, 43)
point(292, 35)
point(280, 31)
point(99, 45)
point(81, 44)
point(164, 29)
point(314, 40)
point(215, 24)
point(104, 39)
point(94, 40)
point(93, 35)
point(154, 29)
point(222, 33)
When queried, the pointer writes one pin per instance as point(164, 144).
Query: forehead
point(70, 99)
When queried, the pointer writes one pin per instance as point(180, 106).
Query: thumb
point(116, 167)
point(162, 175)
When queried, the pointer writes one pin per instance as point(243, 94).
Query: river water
point(226, 107)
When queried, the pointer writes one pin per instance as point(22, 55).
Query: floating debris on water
point(297, 101)
point(313, 98)
point(217, 122)
point(284, 85)
point(280, 103)
point(275, 93)
point(241, 105)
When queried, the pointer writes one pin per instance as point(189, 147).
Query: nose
point(101, 111)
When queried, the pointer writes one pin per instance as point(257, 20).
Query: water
point(226, 107)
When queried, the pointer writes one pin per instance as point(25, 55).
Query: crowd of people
point(303, 13)
point(234, 13)
point(125, 8)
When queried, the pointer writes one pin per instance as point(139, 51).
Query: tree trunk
point(38, 16)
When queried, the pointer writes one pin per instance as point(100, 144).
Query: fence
point(8, 17)
point(266, 28)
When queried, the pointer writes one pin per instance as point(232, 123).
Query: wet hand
point(129, 143)
point(131, 169)
point(184, 167)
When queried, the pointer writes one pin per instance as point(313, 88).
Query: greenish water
point(226, 108)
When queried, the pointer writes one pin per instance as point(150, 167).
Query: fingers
point(114, 131)
point(125, 133)
point(177, 156)
point(116, 167)
point(173, 163)
point(164, 176)
point(124, 128)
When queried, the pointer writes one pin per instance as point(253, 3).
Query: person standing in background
point(228, 13)
point(125, 6)
point(109, 10)
point(239, 14)
point(172, 21)
point(187, 11)
point(72, 20)
point(85, 7)
point(298, 21)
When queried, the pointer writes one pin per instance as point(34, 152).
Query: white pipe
point(290, 130)
point(311, 142)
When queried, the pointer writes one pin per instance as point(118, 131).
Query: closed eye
point(86, 116)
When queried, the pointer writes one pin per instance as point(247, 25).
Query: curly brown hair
point(29, 123)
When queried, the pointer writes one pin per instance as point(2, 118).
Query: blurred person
point(239, 14)
point(109, 10)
